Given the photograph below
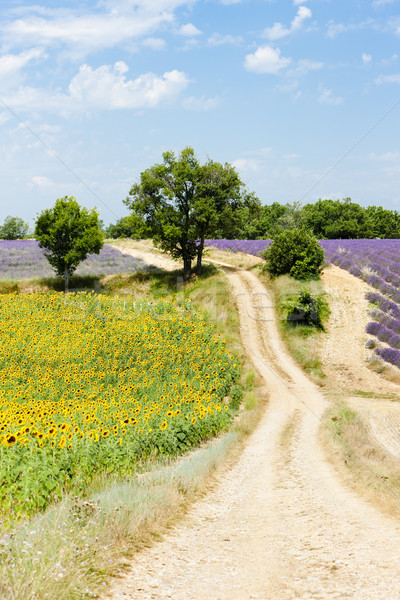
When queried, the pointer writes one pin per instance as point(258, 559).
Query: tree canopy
point(127, 227)
point(13, 228)
point(325, 219)
point(68, 233)
point(182, 202)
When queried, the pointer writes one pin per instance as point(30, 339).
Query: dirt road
point(280, 525)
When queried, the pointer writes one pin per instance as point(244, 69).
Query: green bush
point(294, 252)
point(305, 309)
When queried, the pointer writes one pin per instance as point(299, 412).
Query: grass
point(366, 466)
point(27, 286)
point(70, 551)
point(302, 341)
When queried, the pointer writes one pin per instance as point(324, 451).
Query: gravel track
point(280, 525)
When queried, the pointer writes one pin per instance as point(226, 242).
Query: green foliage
point(294, 252)
point(68, 233)
point(326, 219)
point(181, 202)
point(243, 221)
point(305, 309)
point(131, 227)
point(13, 228)
point(263, 222)
point(337, 219)
point(383, 223)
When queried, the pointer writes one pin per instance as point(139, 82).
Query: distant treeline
point(326, 219)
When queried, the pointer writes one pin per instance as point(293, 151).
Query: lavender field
point(23, 259)
point(377, 262)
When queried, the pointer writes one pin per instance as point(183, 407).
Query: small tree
point(13, 228)
point(68, 233)
point(294, 252)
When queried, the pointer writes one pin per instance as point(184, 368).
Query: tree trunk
point(200, 248)
point(66, 280)
point(187, 268)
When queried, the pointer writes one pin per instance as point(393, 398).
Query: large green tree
point(183, 202)
point(13, 228)
point(68, 233)
point(337, 219)
point(384, 223)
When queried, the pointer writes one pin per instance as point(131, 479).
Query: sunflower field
point(93, 384)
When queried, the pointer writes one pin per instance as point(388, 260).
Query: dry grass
point(367, 467)
point(236, 259)
point(146, 245)
point(384, 369)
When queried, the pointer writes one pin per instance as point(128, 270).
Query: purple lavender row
point(385, 305)
point(23, 259)
point(389, 355)
point(386, 320)
point(253, 247)
point(384, 334)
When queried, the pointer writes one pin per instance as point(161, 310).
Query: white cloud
point(305, 65)
point(389, 61)
point(189, 30)
point(247, 164)
point(122, 23)
point(11, 64)
point(385, 157)
point(326, 97)
point(193, 103)
point(154, 43)
point(302, 14)
point(366, 58)
point(41, 181)
point(4, 117)
point(104, 88)
point(278, 30)
point(266, 60)
point(216, 39)
point(388, 79)
point(379, 3)
point(334, 29)
point(107, 88)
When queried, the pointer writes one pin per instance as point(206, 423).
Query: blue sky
point(299, 96)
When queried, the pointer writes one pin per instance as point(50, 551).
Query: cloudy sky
point(303, 97)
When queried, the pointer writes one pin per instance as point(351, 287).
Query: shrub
point(306, 309)
point(294, 252)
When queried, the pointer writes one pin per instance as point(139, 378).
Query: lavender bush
point(23, 259)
